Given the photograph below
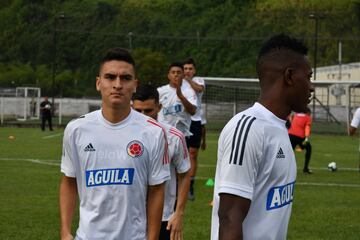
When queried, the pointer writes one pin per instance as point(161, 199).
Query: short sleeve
point(356, 119)
point(240, 148)
point(180, 159)
point(199, 81)
point(67, 158)
point(159, 159)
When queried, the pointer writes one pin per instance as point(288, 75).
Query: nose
point(117, 83)
point(311, 87)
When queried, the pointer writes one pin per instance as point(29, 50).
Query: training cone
point(209, 182)
point(11, 137)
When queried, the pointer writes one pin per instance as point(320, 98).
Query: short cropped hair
point(277, 43)
point(145, 92)
point(119, 54)
point(189, 61)
point(176, 64)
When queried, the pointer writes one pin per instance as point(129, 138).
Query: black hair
point(176, 64)
point(280, 42)
point(145, 92)
point(119, 54)
point(189, 61)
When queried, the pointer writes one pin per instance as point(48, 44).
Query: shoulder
point(163, 88)
point(81, 121)
point(199, 80)
point(248, 126)
point(175, 134)
point(147, 123)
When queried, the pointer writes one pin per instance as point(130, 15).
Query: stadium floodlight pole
point(58, 17)
point(316, 18)
point(130, 35)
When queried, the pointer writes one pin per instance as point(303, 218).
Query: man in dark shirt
point(45, 110)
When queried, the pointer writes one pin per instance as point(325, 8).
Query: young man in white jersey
point(146, 101)
point(116, 161)
point(178, 101)
point(256, 168)
point(194, 141)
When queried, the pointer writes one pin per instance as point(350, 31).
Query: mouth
point(116, 94)
point(310, 98)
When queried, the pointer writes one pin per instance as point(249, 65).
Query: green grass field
point(326, 204)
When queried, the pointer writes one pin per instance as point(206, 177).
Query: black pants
point(43, 120)
point(299, 141)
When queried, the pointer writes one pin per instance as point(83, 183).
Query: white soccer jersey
point(203, 117)
point(256, 161)
point(113, 165)
point(173, 111)
point(200, 81)
point(356, 119)
point(179, 163)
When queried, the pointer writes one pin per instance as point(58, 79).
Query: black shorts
point(164, 234)
point(295, 140)
point(194, 141)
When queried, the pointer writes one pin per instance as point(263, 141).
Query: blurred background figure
point(354, 122)
point(45, 111)
point(299, 133)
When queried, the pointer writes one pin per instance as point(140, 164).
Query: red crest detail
point(135, 149)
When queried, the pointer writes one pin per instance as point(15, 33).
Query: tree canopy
point(42, 39)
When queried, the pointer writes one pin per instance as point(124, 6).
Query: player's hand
point(305, 142)
point(175, 226)
point(203, 146)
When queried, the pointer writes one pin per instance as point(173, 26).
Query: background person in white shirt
point(146, 101)
point(256, 167)
point(354, 122)
point(178, 100)
point(194, 141)
point(116, 161)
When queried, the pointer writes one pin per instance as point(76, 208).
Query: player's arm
point(68, 195)
point(187, 105)
point(154, 210)
point(203, 137)
point(175, 224)
point(232, 212)
point(352, 130)
point(197, 87)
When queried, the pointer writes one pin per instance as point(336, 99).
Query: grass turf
point(326, 204)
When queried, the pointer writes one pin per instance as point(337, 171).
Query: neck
point(115, 114)
point(275, 104)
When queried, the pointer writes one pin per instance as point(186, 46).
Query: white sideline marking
point(322, 169)
point(52, 136)
point(45, 162)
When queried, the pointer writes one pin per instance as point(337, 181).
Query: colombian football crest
point(135, 149)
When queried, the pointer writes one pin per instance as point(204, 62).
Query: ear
point(159, 106)
point(98, 84)
point(289, 76)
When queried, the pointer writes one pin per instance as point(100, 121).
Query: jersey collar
point(118, 125)
point(268, 115)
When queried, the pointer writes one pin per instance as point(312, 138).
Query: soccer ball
point(47, 106)
point(332, 166)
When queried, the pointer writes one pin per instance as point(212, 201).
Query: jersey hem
point(159, 181)
point(245, 193)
